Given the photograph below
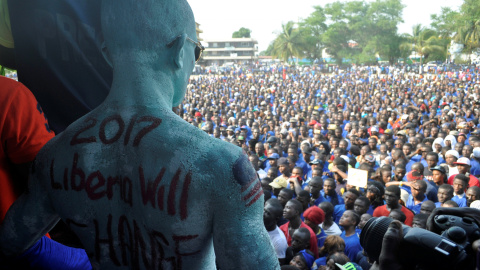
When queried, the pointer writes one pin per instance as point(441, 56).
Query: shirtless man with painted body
point(142, 188)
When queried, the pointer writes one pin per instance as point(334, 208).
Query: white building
point(236, 50)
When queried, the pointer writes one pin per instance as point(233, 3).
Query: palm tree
point(469, 35)
point(424, 40)
point(288, 43)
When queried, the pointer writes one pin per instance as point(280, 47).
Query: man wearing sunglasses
point(125, 178)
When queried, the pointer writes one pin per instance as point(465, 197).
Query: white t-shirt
point(333, 230)
point(452, 171)
point(279, 242)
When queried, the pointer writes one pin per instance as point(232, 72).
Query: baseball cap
point(312, 123)
point(438, 168)
point(273, 156)
point(374, 129)
point(369, 158)
point(282, 161)
point(315, 162)
point(463, 161)
point(241, 138)
point(454, 133)
point(198, 114)
point(231, 128)
point(413, 176)
point(279, 182)
point(272, 139)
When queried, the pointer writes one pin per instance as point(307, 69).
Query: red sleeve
point(284, 229)
point(409, 215)
point(25, 130)
point(313, 244)
point(379, 211)
point(473, 181)
point(450, 179)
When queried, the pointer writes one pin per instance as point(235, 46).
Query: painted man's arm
point(240, 238)
point(29, 218)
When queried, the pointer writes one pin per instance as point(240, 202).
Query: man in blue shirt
point(349, 221)
point(460, 184)
point(329, 193)
point(417, 197)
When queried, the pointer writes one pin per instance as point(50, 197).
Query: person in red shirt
point(463, 166)
point(392, 196)
point(292, 211)
point(24, 131)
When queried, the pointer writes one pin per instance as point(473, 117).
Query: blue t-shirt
point(352, 245)
point(321, 237)
point(462, 202)
point(412, 206)
point(338, 212)
point(329, 198)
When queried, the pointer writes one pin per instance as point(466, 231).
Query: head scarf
point(309, 259)
point(452, 139)
point(437, 141)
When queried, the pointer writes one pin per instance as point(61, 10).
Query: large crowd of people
point(417, 134)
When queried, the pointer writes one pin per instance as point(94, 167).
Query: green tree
point(423, 42)
point(268, 51)
point(288, 43)
point(372, 27)
point(242, 33)
point(312, 29)
point(469, 25)
point(445, 23)
point(384, 17)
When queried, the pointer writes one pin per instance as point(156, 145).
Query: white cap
point(452, 153)
point(347, 159)
point(463, 161)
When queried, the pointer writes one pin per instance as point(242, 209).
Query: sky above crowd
point(220, 18)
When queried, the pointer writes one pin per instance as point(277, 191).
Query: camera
point(422, 249)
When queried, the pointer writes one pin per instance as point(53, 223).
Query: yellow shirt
point(6, 38)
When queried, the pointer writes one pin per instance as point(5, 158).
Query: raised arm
point(240, 238)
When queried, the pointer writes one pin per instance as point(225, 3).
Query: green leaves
point(364, 31)
point(242, 33)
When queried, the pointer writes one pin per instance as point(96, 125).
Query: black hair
point(463, 178)
point(297, 205)
point(450, 203)
point(394, 189)
point(447, 187)
point(378, 201)
point(354, 191)
point(327, 208)
point(402, 217)
point(288, 191)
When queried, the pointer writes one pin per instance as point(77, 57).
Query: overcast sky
point(220, 18)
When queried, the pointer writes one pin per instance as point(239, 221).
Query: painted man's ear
point(106, 54)
point(178, 50)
